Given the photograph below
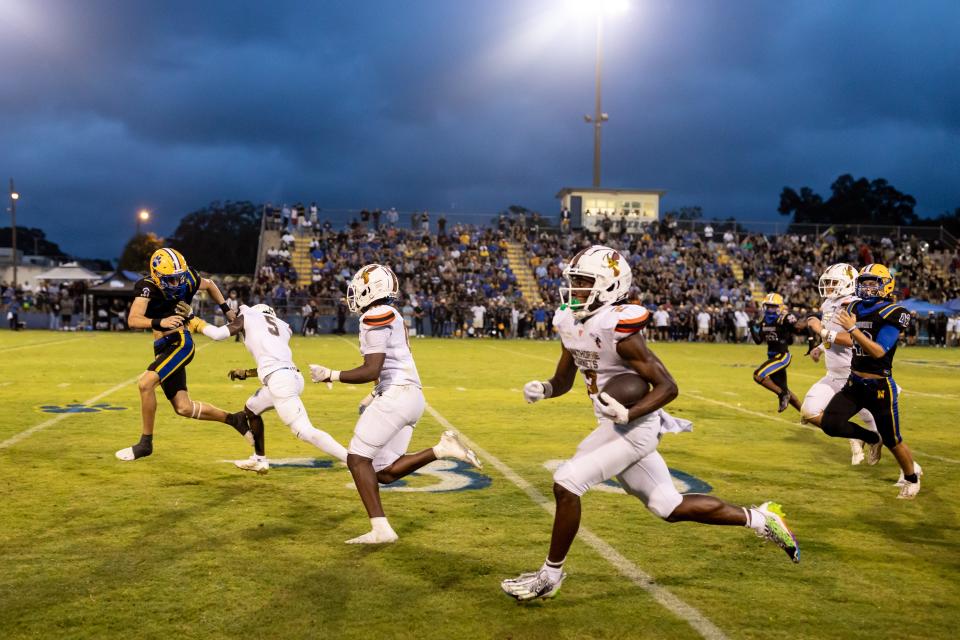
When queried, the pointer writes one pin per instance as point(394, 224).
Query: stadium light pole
point(142, 216)
point(599, 117)
point(14, 196)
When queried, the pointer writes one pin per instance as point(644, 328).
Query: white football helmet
point(837, 281)
point(265, 309)
point(373, 282)
point(611, 277)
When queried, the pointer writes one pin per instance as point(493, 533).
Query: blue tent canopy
point(922, 306)
point(954, 304)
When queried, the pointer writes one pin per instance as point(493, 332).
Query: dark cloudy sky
point(464, 105)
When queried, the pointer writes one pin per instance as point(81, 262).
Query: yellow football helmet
point(875, 281)
point(168, 270)
point(773, 300)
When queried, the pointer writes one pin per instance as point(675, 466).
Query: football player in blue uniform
point(873, 326)
point(163, 304)
point(777, 329)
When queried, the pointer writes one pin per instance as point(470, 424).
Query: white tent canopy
point(69, 272)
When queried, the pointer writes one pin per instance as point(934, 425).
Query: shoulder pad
point(379, 316)
point(631, 318)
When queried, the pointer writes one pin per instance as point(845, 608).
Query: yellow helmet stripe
point(175, 259)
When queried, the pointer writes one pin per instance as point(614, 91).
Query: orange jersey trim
point(379, 321)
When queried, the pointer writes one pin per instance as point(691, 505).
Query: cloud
point(108, 107)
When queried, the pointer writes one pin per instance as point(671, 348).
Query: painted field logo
point(441, 476)
point(81, 408)
point(684, 482)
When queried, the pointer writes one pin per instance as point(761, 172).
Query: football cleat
point(450, 446)
point(375, 537)
point(125, 454)
point(909, 490)
point(253, 463)
point(776, 530)
point(530, 586)
point(916, 469)
point(856, 451)
point(873, 452)
point(784, 399)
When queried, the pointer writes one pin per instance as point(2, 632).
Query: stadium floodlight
point(142, 216)
point(14, 196)
point(598, 9)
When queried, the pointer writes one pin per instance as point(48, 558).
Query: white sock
point(553, 569)
point(323, 441)
point(755, 520)
point(380, 525)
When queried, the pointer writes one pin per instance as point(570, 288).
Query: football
point(627, 388)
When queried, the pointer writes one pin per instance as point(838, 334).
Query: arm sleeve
point(887, 337)
point(216, 333)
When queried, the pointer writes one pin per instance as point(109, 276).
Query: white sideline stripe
point(40, 344)
point(636, 575)
point(672, 603)
point(697, 396)
point(9, 442)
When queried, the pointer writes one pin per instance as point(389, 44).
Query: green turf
point(183, 545)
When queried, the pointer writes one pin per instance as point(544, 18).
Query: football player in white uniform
point(601, 336)
point(378, 450)
point(267, 338)
point(836, 287)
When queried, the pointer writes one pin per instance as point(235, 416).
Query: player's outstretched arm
point(663, 390)
point(366, 372)
point(234, 327)
point(559, 384)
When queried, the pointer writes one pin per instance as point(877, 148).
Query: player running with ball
point(601, 336)
point(378, 450)
point(837, 286)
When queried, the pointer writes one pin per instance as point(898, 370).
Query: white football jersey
point(593, 342)
point(268, 340)
point(837, 357)
point(382, 331)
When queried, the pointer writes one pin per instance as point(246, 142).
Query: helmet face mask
point(596, 277)
point(168, 269)
point(371, 283)
point(837, 281)
point(874, 281)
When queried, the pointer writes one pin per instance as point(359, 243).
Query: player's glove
point(184, 310)
point(611, 408)
point(536, 390)
point(238, 374)
point(365, 402)
point(319, 373)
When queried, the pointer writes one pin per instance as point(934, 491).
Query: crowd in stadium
point(456, 280)
point(702, 285)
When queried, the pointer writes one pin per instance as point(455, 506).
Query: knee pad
point(567, 477)
point(663, 500)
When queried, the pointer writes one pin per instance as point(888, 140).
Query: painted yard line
point(631, 571)
point(666, 599)
point(930, 364)
point(697, 396)
point(40, 344)
point(9, 442)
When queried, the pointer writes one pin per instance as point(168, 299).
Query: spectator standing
point(741, 323)
point(540, 322)
point(703, 326)
point(661, 324)
point(478, 311)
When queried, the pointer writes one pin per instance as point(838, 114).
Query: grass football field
point(182, 544)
